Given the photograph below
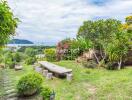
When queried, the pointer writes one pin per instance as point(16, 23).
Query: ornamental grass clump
point(29, 84)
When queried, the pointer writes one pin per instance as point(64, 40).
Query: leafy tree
point(118, 48)
point(8, 23)
point(100, 33)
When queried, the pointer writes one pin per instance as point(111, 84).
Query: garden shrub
point(10, 64)
point(30, 60)
point(111, 66)
point(30, 52)
point(50, 54)
point(45, 92)
point(29, 84)
point(89, 64)
point(16, 57)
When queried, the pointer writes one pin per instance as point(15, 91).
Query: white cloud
point(53, 20)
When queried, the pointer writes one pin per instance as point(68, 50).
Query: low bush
point(89, 64)
point(10, 64)
point(50, 54)
point(111, 66)
point(16, 57)
point(30, 60)
point(45, 92)
point(30, 52)
point(29, 84)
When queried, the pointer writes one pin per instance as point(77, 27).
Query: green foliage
point(50, 54)
point(118, 48)
point(39, 49)
point(108, 38)
point(16, 57)
point(75, 47)
point(46, 92)
point(8, 22)
point(30, 60)
point(8, 60)
point(111, 66)
point(10, 64)
point(89, 64)
point(99, 32)
point(30, 52)
point(28, 83)
point(129, 20)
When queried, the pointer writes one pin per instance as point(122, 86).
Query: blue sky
point(50, 21)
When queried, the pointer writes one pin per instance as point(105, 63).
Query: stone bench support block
point(49, 76)
point(69, 77)
point(38, 69)
point(45, 72)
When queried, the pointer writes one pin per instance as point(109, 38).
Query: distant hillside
point(20, 41)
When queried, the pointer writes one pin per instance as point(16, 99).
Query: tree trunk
point(97, 59)
point(119, 64)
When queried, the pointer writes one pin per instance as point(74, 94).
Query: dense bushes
point(29, 84)
point(30, 60)
point(89, 64)
point(30, 52)
point(11, 58)
point(50, 54)
point(46, 92)
point(17, 57)
point(8, 23)
point(69, 49)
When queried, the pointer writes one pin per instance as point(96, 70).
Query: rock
point(18, 67)
point(69, 77)
point(49, 76)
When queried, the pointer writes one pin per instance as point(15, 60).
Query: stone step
point(9, 88)
point(13, 98)
point(11, 95)
point(8, 85)
point(7, 82)
point(10, 91)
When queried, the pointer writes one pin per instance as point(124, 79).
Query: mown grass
point(88, 84)
point(1, 86)
point(95, 84)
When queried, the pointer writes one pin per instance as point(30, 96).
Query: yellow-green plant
point(50, 54)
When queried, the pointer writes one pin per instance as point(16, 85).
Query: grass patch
point(88, 84)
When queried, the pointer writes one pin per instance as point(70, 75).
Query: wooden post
point(49, 76)
point(69, 77)
point(45, 72)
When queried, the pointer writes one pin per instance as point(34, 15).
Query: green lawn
point(89, 84)
point(1, 87)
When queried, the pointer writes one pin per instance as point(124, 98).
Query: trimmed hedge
point(29, 84)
